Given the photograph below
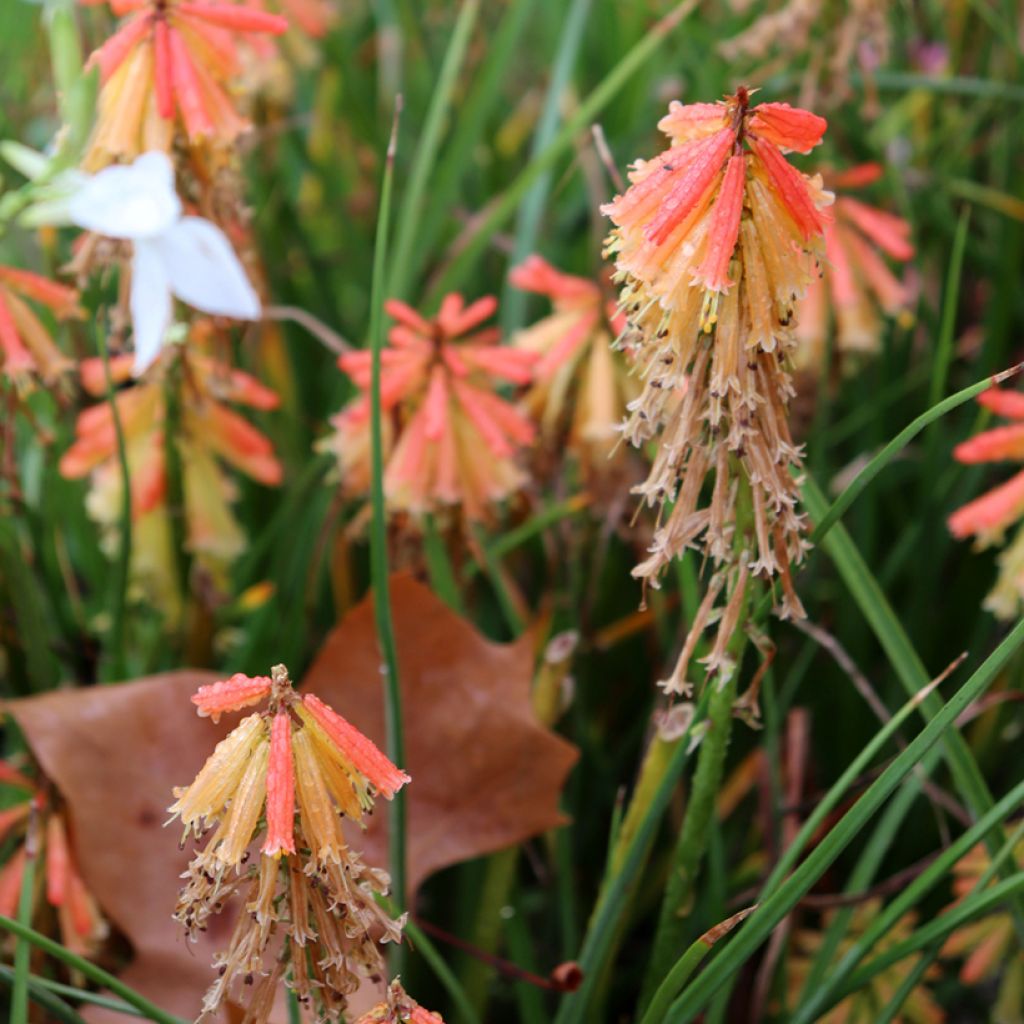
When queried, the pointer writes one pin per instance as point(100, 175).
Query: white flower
point(187, 257)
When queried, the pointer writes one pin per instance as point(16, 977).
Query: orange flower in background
point(207, 434)
point(451, 439)
point(987, 945)
point(576, 367)
point(714, 241)
point(27, 348)
point(291, 772)
point(38, 823)
point(857, 281)
point(169, 67)
point(988, 517)
point(920, 1006)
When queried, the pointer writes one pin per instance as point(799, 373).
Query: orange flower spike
point(357, 748)
point(240, 691)
point(280, 789)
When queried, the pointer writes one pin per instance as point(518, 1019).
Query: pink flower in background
point(988, 517)
point(451, 439)
point(857, 282)
point(25, 344)
point(578, 376)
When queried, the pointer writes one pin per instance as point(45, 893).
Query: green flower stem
point(146, 1009)
point(379, 542)
point(691, 846)
point(118, 666)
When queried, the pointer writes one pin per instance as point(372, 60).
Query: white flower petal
point(204, 271)
point(136, 201)
point(150, 303)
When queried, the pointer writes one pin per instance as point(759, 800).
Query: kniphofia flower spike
point(208, 435)
point(38, 821)
point(169, 65)
point(285, 777)
point(576, 368)
point(987, 518)
point(714, 242)
point(452, 439)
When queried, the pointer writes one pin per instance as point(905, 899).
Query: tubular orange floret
point(992, 512)
point(1006, 442)
point(359, 749)
point(58, 862)
point(1003, 403)
point(280, 789)
point(240, 691)
point(724, 228)
point(789, 128)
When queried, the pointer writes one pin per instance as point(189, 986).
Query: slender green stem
point(677, 902)
point(82, 995)
point(147, 1009)
point(411, 213)
point(23, 949)
point(124, 554)
point(379, 537)
point(444, 973)
point(947, 327)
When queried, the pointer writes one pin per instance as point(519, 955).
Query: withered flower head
point(290, 773)
point(714, 242)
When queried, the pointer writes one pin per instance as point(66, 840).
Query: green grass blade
point(777, 905)
point(513, 303)
point(410, 213)
point(23, 950)
point(379, 539)
point(146, 1008)
point(444, 973)
point(508, 201)
point(947, 325)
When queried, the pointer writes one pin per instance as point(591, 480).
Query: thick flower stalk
point(206, 435)
point(272, 798)
point(858, 286)
point(80, 925)
point(987, 518)
point(576, 368)
point(27, 349)
point(714, 242)
point(167, 72)
point(451, 441)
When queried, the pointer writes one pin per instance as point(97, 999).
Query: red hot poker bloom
point(857, 281)
point(292, 772)
point(454, 439)
point(987, 518)
point(714, 241)
point(168, 66)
